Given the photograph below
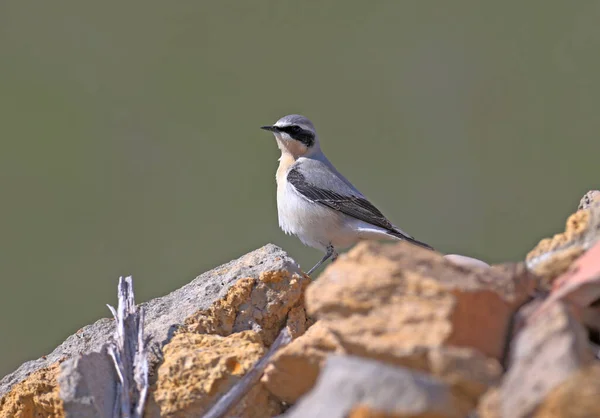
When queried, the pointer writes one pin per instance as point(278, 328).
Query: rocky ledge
point(388, 330)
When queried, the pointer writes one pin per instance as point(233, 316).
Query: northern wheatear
point(315, 202)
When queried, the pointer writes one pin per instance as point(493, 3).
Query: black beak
point(270, 128)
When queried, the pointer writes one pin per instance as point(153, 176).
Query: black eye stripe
point(299, 134)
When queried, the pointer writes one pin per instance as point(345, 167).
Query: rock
point(553, 256)
point(577, 397)
point(198, 369)
point(87, 386)
point(275, 284)
point(38, 396)
point(388, 300)
point(463, 260)
point(351, 386)
point(580, 284)
point(545, 354)
point(468, 371)
point(589, 198)
point(489, 405)
point(409, 307)
point(295, 368)
point(261, 304)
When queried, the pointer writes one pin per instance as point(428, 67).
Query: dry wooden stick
point(129, 354)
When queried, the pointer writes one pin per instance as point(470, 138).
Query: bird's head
point(296, 135)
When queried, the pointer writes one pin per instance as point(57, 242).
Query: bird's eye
point(295, 129)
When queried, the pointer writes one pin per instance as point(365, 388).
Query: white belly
point(314, 224)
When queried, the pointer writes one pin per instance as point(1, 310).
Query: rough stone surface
point(275, 283)
point(575, 398)
point(261, 304)
point(489, 405)
point(589, 198)
point(295, 368)
point(87, 387)
point(387, 300)
point(408, 307)
point(553, 256)
point(35, 397)
point(363, 411)
point(351, 385)
point(198, 368)
point(545, 354)
point(580, 284)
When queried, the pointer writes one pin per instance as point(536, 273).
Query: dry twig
point(128, 351)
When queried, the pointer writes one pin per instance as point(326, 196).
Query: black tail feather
point(405, 237)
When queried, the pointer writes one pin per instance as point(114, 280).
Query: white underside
point(319, 226)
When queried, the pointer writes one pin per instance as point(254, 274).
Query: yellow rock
point(36, 396)
point(408, 307)
point(198, 369)
point(553, 256)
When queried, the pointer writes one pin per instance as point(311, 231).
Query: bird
point(315, 202)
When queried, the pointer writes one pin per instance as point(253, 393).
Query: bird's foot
point(330, 254)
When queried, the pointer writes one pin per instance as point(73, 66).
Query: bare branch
point(129, 355)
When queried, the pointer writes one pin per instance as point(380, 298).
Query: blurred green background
point(130, 140)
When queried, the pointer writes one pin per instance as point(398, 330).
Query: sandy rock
point(408, 307)
point(580, 284)
point(468, 371)
point(577, 397)
point(198, 369)
point(545, 354)
point(261, 304)
point(275, 284)
point(295, 368)
point(388, 300)
point(352, 385)
point(363, 411)
point(489, 405)
point(553, 256)
point(35, 397)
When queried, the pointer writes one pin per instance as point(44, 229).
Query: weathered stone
point(463, 260)
point(275, 284)
point(577, 397)
point(261, 304)
point(545, 354)
point(387, 300)
point(295, 368)
point(589, 198)
point(553, 256)
point(87, 386)
point(489, 405)
point(198, 369)
point(351, 385)
point(35, 397)
point(580, 284)
point(468, 371)
point(363, 411)
point(408, 307)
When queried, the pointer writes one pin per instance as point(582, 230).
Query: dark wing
point(355, 206)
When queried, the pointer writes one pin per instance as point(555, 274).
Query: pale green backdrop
point(130, 141)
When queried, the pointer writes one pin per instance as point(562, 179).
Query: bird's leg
point(330, 253)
